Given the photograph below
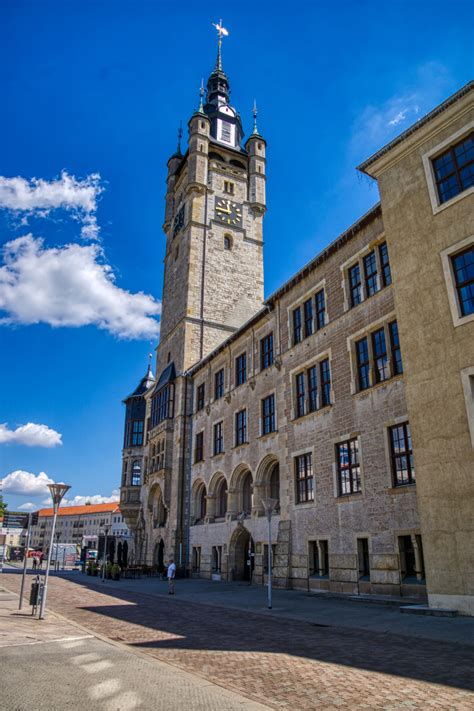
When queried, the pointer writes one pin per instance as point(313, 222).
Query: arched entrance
point(160, 555)
point(242, 553)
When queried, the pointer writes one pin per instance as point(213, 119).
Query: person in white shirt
point(171, 575)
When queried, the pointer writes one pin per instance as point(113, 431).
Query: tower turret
point(256, 148)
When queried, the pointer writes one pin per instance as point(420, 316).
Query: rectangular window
point(313, 388)
point(304, 478)
point(363, 367)
point(241, 369)
point(268, 414)
point(308, 317)
point(266, 351)
point(300, 395)
point(325, 383)
point(229, 187)
point(240, 427)
point(348, 467)
point(370, 271)
point(454, 169)
point(162, 405)
point(397, 365)
point(219, 438)
point(463, 268)
point(198, 450)
point(297, 331)
point(200, 397)
point(355, 285)
point(385, 265)
point(226, 132)
point(320, 309)
point(137, 433)
point(403, 469)
point(219, 384)
point(379, 349)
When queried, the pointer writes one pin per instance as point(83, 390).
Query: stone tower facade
point(213, 283)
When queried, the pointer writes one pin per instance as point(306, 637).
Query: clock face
point(228, 212)
point(178, 221)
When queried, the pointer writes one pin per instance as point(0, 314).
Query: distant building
point(347, 395)
point(83, 526)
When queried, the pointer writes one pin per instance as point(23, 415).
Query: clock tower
point(215, 204)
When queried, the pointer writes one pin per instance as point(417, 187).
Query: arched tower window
point(228, 242)
point(136, 473)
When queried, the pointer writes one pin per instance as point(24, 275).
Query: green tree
point(3, 506)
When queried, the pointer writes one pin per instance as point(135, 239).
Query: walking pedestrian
point(40, 561)
point(34, 562)
point(171, 576)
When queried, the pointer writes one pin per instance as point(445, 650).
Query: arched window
point(202, 502)
point(275, 484)
point(237, 164)
point(227, 242)
point(221, 499)
point(247, 493)
point(136, 473)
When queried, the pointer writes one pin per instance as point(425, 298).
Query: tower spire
point(255, 112)
point(202, 91)
point(180, 135)
point(221, 32)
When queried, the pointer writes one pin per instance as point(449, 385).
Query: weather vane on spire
point(221, 32)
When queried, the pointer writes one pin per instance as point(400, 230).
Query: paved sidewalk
point(317, 609)
point(54, 665)
point(282, 664)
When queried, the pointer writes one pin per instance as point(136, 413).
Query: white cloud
point(21, 483)
point(31, 435)
point(94, 499)
point(29, 506)
point(70, 286)
point(38, 197)
point(377, 124)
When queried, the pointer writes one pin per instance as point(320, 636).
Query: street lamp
point(57, 493)
point(269, 507)
point(107, 527)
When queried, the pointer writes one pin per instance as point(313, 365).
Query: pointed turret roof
point(145, 383)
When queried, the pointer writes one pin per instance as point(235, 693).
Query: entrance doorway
point(243, 554)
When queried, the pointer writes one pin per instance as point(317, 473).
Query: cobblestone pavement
point(282, 664)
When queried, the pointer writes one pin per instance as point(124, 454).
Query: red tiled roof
point(86, 509)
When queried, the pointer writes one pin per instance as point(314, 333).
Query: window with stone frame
point(200, 395)
point(229, 187)
point(377, 356)
point(401, 455)
point(218, 438)
point(266, 351)
point(304, 478)
point(268, 414)
point(463, 270)
point(313, 388)
point(240, 369)
point(368, 274)
point(199, 447)
point(240, 428)
point(348, 467)
point(162, 405)
point(136, 473)
point(219, 384)
point(309, 317)
point(454, 169)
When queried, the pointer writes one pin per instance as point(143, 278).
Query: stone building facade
point(310, 397)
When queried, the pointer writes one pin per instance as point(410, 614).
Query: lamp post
point(56, 562)
point(107, 527)
point(57, 493)
point(269, 507)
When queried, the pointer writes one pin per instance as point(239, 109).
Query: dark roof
point(369, 216)
point(421, 122)
point(167, 376)
point(145, 383)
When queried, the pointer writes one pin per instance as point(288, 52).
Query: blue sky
point(98, 88)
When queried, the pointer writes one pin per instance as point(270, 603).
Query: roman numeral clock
point(228, 212)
